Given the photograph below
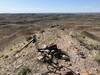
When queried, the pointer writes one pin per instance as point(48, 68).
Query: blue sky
point(47, 6)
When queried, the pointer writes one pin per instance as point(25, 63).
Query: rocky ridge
point(16, 60)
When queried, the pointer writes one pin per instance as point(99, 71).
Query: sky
point(49, 6)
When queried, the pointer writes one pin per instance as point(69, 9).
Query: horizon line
point(46, 12)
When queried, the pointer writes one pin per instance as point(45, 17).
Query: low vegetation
point(24, 71)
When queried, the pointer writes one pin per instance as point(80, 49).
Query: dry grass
point(87, 34)
point(89, 40)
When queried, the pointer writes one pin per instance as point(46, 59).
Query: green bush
point(24, 71)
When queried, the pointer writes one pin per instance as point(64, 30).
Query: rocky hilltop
point(52, 51)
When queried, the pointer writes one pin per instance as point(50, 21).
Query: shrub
point(24, 71)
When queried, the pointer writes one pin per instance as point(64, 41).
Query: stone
point(39, 57)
